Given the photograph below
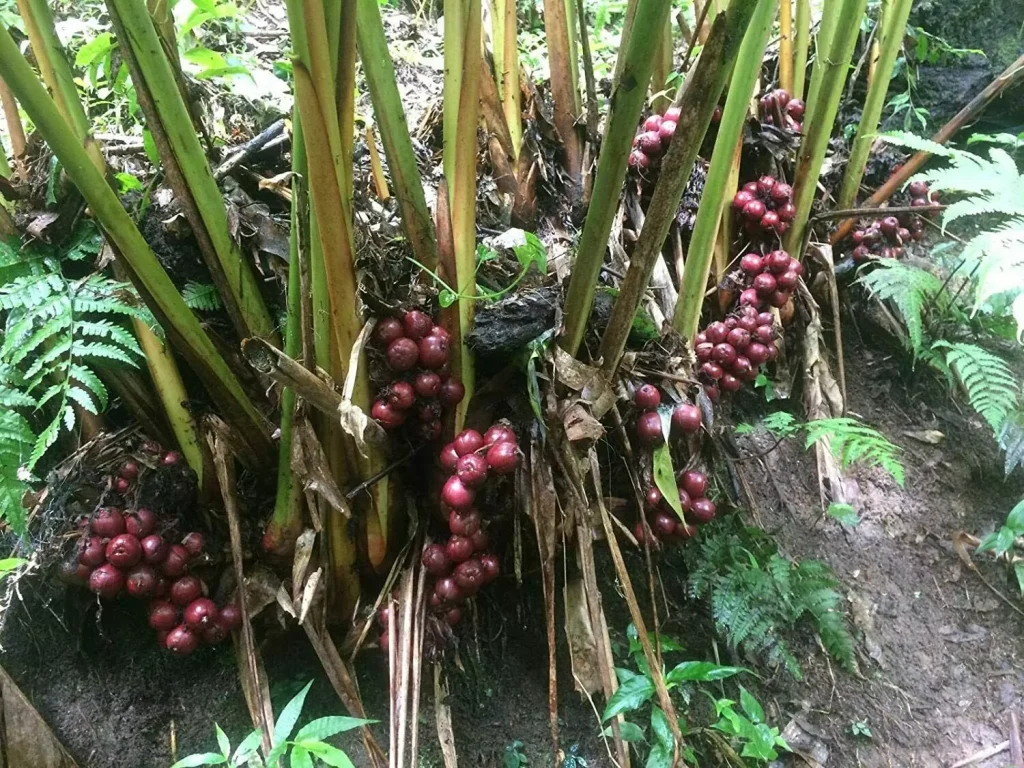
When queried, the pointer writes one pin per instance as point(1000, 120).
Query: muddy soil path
point(942, 657)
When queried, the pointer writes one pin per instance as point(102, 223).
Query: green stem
point(707, 82)
point(713, 199)
point(891, 43)
point(800, 47)
point(627, 102)
point(394, 131)
point(154, 284)
point(239, 281)
point(818, 131)
point(822, 45)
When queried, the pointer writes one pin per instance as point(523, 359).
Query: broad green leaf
point(250, 744)
point(532, 252)
point(661, 729)
point(664, 475)
point(149, 144)
point(630, 732)
point(206, 758)
point(1015, 520)
point(328, 754)
point(9, 564)
point(446, 298)
point(659, 758)
point(300, 758)
point(286, 723)
point(844, 513)
point(624, 674)
point(632, 694)
point(223, 742)
point(94, 49)
point(751, 706)
point(325, 727)
point(1018, 570)
point(701, 671)
point(998, 542)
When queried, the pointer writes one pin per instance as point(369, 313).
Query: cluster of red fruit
point(765, 206)
point(693, 486)
point(779, 105)
point(652, 142)
point(732, 350)
point(770, 279)
point(418, 351)
point(886, 237)
point(462, 564)
point(122, 552)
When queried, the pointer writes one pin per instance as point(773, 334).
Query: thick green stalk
point(890, 46)
point(803, 39)
point(14, 127)
point(662, 68)
point(152, 281)
point(454, 45)
point(627, 103)
point(173, 395)
point(53, 65)
point(5, 167)
point(508, 73)
point(463, 194)
point(394, 132)
point(627, 31)
point(713, 200)
point(822, 48)
point(786, 45)
point(708, 80)
point(817, 133)
point(244, 299)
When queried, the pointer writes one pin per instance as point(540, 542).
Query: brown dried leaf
point(443, 718)
point(310, 465)
point(26, 741)
point(586, 667)
point(579, 424)
point(593, 387)
point(300, 562)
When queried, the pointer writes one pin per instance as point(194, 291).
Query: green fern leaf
point(59, 350)
point(23, 349)
point(106, 329)
point(14, 398)
point(83, 398)
point(916, 143)
point(991, 386)
point(88, 378)
point(852, 442)
point(46, 438)
point(201, 296)
point(909, 289)
point(98, 349)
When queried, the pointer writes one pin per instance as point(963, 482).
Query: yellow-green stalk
point(708, 80)
point(662, 69)
point(892, 41)
point(714, 199)
point(786, 45)
point(627, 103)
point(153, 283)
point(801, 44)
point(394, 132)
point(817, 133)
point(152, 71)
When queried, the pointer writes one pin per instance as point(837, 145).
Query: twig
point(860, 63)
point(247, 150)
point(1008, 77)
point(874, 213)
point(383, 473)
point(984, 754)
point(693, 42)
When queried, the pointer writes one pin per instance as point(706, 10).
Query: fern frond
point(201, 296)
point(909, 288)
point(1011, 440)
point(16, 442)
point(105, 329)
point(88, 378)
point(853, 442)
point(11, 397)
point(83, 398)
point(916, 143)
point(16, 349)
point(102, 350)
point(991, 387)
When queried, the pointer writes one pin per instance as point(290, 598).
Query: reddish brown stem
point(1010, 76)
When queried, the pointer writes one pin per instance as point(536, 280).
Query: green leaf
point(701, 671)
point(149, 144)
point(1018, 571)
point(286, 723)
point(664, 475)
point(751, 706)
point(659, 758)
point(325, 727)
point(94, 49)
point(1015, 520)
point(206, 758)
point(844, 513)
point(631, 695)
point(223, 742)
point(532, 252)
point(660, 728)
point(249, 746)
point(446, 297)
point(998, 543)
point(300, 758)
point(328, 754)
point(630, 732)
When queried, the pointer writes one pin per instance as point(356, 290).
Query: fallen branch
point(1010, 76)
point(250, 148)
